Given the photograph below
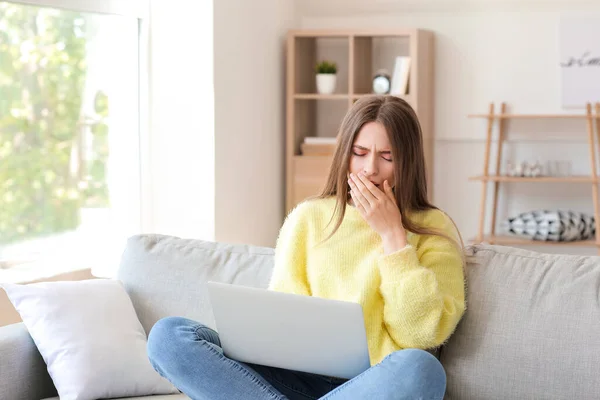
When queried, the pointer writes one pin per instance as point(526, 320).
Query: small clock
point(381, 82)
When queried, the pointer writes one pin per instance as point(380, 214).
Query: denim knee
point(171, 333)
point(424, 368)
point(161, 336)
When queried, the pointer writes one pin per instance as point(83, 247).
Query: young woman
point(371, 237)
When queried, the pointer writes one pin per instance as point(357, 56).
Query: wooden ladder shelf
point(496, 178)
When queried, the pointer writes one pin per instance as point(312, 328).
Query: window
point(69, 137)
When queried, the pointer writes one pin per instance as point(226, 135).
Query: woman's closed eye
point(360, 151)
point(386, 157)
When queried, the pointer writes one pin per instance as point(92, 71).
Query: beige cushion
point(531, 328)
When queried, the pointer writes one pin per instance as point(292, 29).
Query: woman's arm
point(289, 273)
point(423, 290)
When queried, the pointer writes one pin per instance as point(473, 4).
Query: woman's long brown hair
point(410, 172)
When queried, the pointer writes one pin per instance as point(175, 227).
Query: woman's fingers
point(357, 203)
point(358, 193)
point(366, 188)
point(388, 191)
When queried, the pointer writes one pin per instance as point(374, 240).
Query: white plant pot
point(326, 83)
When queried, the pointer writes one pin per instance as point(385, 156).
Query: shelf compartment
point(309, 50)
point(373, 53)
point(316, 117)
point(540, 179)
point(510, 241)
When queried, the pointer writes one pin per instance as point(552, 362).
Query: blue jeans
point(189, 355)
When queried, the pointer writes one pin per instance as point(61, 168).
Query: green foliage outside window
point(52, 157)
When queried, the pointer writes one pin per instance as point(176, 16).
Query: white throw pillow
point(90, 338)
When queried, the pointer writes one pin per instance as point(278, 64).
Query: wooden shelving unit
point(496, 178)
point(513, 241)
point(502, 178)
point(531, 116)
point(358, 54)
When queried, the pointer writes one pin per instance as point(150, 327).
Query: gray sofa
point(531, 330)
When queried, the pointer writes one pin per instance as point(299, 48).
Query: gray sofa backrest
point(166, 276)
point(531, 330)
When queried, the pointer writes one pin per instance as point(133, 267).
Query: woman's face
point(371, 155)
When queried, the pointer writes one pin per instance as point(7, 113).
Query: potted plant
point(326, 76)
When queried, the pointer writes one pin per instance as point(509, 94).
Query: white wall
point(486, 51)
point(179, 194)
point(216, 148)
point(489, 50)
point(249, 118)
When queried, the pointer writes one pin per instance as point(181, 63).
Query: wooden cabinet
point(309, 175)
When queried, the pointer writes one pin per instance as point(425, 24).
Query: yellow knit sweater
point(413, 298)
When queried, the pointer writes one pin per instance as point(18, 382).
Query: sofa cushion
point(23, 372)
point(531, 328)
point(167, 275)
point(75, 325)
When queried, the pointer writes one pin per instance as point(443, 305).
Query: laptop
point(295, 332)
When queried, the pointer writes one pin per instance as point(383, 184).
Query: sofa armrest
point(23, 373)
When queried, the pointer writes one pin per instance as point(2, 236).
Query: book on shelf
point(318, 146)
point(320, 140)
point(399, 85)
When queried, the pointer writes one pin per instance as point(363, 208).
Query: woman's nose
point(370, 167)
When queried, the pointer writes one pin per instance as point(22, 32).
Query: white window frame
point(131, 8)
point(139, 9)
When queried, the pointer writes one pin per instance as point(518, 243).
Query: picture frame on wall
point(579, 52)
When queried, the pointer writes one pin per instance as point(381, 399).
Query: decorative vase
point(326, 83)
